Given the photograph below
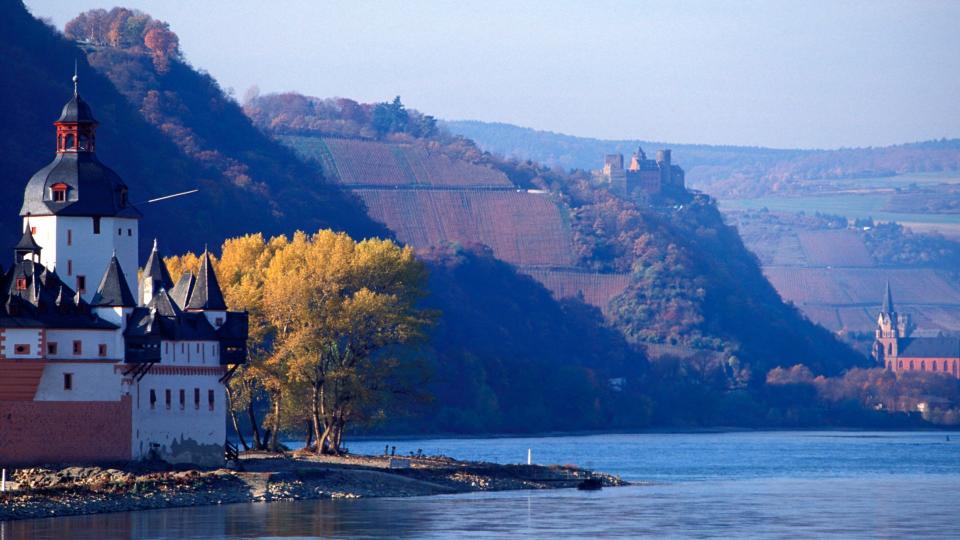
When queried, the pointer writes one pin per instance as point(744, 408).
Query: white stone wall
point(179, 433)
point(91, 381)
point(70, 247)
point(32, 337)
point(190, 353)
point(90, 341)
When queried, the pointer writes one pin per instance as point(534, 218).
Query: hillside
point(672, 274)
point(722, 171)
point(266, 188)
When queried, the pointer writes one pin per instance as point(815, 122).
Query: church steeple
point(887, 300)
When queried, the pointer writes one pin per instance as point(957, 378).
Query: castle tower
point(206, 295)
point(76, 208)
point(155, 277)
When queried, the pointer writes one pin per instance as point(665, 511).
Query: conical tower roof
point(887, 300)
point(206, 293)
point(113, 290)
point(154, 271)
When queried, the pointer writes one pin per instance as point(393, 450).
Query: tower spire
point(76, 79)
point(887, 300)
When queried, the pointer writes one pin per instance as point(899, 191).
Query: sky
point(804, 74)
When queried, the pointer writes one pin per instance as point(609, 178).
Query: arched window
point(889, 365)
point(911, 365)
point(889, 348)
point(900, 365)
point(923, 365)
point(71, 138)
point(933, 365)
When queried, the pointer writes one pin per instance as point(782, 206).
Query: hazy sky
point(785, 74)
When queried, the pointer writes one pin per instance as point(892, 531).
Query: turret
point(113, 300)
point(154, 278)
point(206, 295)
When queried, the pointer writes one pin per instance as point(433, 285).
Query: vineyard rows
point(368, 163)
point(834, 248)
point(864, 286)
point(596, 289)
point(522, 228)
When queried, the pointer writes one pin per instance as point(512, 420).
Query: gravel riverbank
point(51, 491)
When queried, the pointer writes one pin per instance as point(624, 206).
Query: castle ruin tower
point(76, 208)
point(666, 167)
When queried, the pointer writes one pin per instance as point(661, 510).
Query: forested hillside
point(724, 171)
point(170, 129)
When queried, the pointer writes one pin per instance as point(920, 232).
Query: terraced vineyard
point(522, 228)
point(833, 248)
point(595, 289)
point(359, 163)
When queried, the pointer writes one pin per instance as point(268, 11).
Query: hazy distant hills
point(729, 171)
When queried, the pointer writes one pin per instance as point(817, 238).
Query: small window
point(211, 399)
point(196, 398)
point(153, 399)
point(129, 232)
point(81, 284)
point(21, 349)
point(69, 267)
point(21, 283)
point(933, 365)
point(102, 349)
point(218, 321)
point(198, 347)
point(70, 142)
point(59, 192)
point(69, 237)
point(78, 347)
point(923, 365)
point(96, 225)
point(68, 381)
point(166, 395)
point(120, 232)
point(900, 364)
point(51, 348)
point(183, 399)
point(33, 230)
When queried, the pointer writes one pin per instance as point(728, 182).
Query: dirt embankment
point(49, 492)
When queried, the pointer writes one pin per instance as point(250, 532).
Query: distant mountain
point(718, 170)
point(264, 186)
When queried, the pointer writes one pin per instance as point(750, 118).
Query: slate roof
point(45, 301)
point(929, 347)
point(181, 292)
point(206, 293)
point(27, 243)
point(113, 290)
point(162, 318)
point(93, 189)
point(77, 110)
point(156, 272)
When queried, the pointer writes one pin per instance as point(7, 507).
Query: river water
point(766, 485)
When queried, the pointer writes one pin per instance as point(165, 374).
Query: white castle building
point(88, 371)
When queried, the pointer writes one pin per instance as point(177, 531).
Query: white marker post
point(529, 456)
point(3, 480)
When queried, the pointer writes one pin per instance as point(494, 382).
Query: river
point(738, 484)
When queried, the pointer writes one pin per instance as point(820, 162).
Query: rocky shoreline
point(260, 477)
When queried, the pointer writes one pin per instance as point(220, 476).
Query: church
point(897, 350)
point(97, 365)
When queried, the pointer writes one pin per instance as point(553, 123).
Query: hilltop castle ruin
point(643, 176)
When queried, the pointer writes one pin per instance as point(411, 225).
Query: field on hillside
point(595, 289)
point(353, 162)
point(522, 228)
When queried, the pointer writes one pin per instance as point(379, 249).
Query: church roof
point(887, 300)
point(77, 110)
point(930, 347)
point(113, 290)
point(206, 293)
point(93, 189)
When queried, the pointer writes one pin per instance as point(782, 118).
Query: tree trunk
point(258, 441)
point(275, 434)
point(315, 417)
point(233, 418)
point(309, 441)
